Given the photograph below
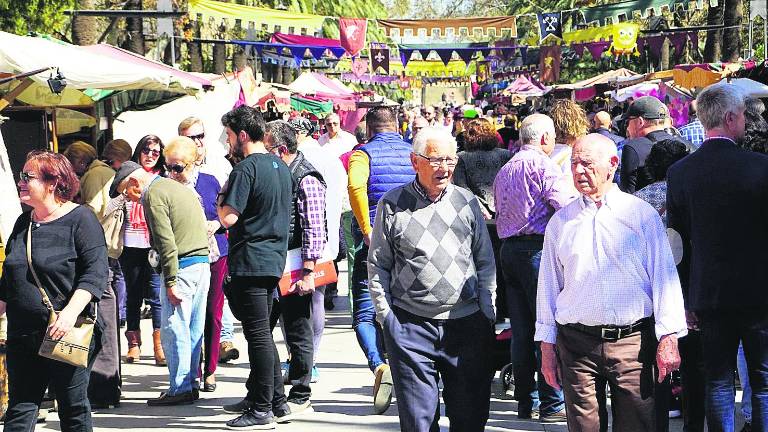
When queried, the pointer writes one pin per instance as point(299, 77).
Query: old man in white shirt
point(609, 303)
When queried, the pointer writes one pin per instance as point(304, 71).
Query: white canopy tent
point(751, 87)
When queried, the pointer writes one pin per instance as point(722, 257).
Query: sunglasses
point(148, 151)
point(26, 177)
point(198, 137)
point(177, 168)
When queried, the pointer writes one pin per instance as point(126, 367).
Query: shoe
point(101, 405)
point(195, 394)
point(298, 409)
point(747, 427)
point(282, 413)
point(315, 375)
point(209, 384)
point(533, 415)
point(556, 417)
point(253, 420)
point(228, 352)
point(158, 347)
point(165, 399)
point(42, 414)
point(134, 346)
point(238, 408)
point(382, 389)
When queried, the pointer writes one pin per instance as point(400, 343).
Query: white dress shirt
point(608, 266)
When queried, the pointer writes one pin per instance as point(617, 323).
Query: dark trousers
point(520, 257)
point(117, 282)
point(692, 377)
point(296, 314)
point(250, 299)
point(721, 332)
point(638, 403)
point(28, 377)
point(140, 282)
point(421, 351)
point(105, 381)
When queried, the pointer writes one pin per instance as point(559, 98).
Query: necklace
point(47, 218)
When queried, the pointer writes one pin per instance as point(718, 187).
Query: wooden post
point(13, 94)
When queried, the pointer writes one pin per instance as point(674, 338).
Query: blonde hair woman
point(180, 156)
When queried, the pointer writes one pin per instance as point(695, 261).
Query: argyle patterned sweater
point(432, 259)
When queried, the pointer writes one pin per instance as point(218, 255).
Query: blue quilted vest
point(390, 165)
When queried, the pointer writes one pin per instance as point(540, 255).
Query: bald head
point(601, 120)
point(593, 163)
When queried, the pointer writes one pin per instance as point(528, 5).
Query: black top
point(717, 199)
point(68, 253)
point(633, 155)
point(476, 171)
point(260, 190)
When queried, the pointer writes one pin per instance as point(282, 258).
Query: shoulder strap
point(46, 300)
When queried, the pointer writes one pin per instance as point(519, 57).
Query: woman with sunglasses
point(69, 256)
point(180, 156)
point(141, 281)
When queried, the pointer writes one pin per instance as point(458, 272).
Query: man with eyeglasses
point(527, 191)
point(433, 280)
point(336, 140)
point(380, 165)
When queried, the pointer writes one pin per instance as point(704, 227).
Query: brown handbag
point(73, 348)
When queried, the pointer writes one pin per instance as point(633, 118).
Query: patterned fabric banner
point(379, 58)
point(627, 8)
point(550, 58)
point(550, 24)
point(270, 20)
point(352, 34)
point(452, 28)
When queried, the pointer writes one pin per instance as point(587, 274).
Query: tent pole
point(749, 45)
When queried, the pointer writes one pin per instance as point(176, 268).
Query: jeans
point(746, 395)
point(424, 351)
point(318, 319)
point(117, 281)
point(213, 312)
point(140, 281)
point(363, 313)
point(251, 301)
point(183, 325)
point(520, 257)
point(227, 323)
point(295, 313)
point(28, 377)
point(721, 332)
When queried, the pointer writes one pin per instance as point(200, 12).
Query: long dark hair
point(146, 141)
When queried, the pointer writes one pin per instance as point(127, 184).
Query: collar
point(609, 199)
point(533, 148)
point(712, 138)
point(144, 192)
point(423, 193)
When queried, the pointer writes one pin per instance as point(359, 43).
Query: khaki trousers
point(627, 365)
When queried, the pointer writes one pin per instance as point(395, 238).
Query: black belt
point(611, 333)
point(530, 237)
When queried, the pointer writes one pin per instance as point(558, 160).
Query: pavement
point(342, 399)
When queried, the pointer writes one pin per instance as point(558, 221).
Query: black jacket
point(633, 155)
point(717, 199)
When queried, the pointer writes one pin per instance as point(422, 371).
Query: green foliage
point(24, 16)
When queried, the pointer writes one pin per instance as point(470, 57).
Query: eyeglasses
point(148, 151)
point(436, 162)
point(26, 177)
point(177, 168)
point(198, 137)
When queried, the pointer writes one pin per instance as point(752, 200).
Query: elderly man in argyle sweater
point(432, 279)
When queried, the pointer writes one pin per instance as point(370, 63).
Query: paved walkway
point(342, 398)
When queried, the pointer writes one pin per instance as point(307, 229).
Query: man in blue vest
point(380, 165)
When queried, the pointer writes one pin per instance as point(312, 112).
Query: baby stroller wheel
point(507, 379)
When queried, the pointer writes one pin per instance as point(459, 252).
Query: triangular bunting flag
point(445, 55)
point(640, 45)
point(678, 41)
point(485, 51)
point(597, 48)
point(298, 53)
point(466, 54)
point(259, 49)
point(317, 52)
point(337, 51)
point(424, 53)
point(405, 56)
point(694, 37)
point(654, 45)
point(578, 48)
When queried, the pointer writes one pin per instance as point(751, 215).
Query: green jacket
point(176, 224)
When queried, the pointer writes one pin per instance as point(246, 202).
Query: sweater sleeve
point(91, 267)
point(485, 263)
point(359, 172)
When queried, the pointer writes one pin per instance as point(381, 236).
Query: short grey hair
point(332, 116)
point(716, 101)
point(431, 134)
point(534, 127)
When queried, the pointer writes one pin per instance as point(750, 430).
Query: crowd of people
point(620, 249)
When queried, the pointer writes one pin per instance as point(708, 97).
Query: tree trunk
point(135, 27)
point(239, 60)
point(713, 46)
point(664, 57)
point(195, 50)
point(734, 11)
point(219, 58)
point(85, 28)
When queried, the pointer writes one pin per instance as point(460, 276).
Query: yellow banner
point(270, 20)
point(594, 34)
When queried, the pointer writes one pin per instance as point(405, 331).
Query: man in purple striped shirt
point(528, 190)
point(308, 232)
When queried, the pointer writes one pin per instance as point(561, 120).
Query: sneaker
point(382, 388)
point(747, 427)
point(238, 408)
point(298, 409)
point(253, 420)
point(556, 417)
point(315, 375)
point(282, 413)
point(227, 352)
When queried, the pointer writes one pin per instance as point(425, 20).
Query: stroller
point(502, 360)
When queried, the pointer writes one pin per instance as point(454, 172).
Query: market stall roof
point(313, 83)
point(524, 87)
point(84, 69)
point(751, 87)
point(604, 78)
